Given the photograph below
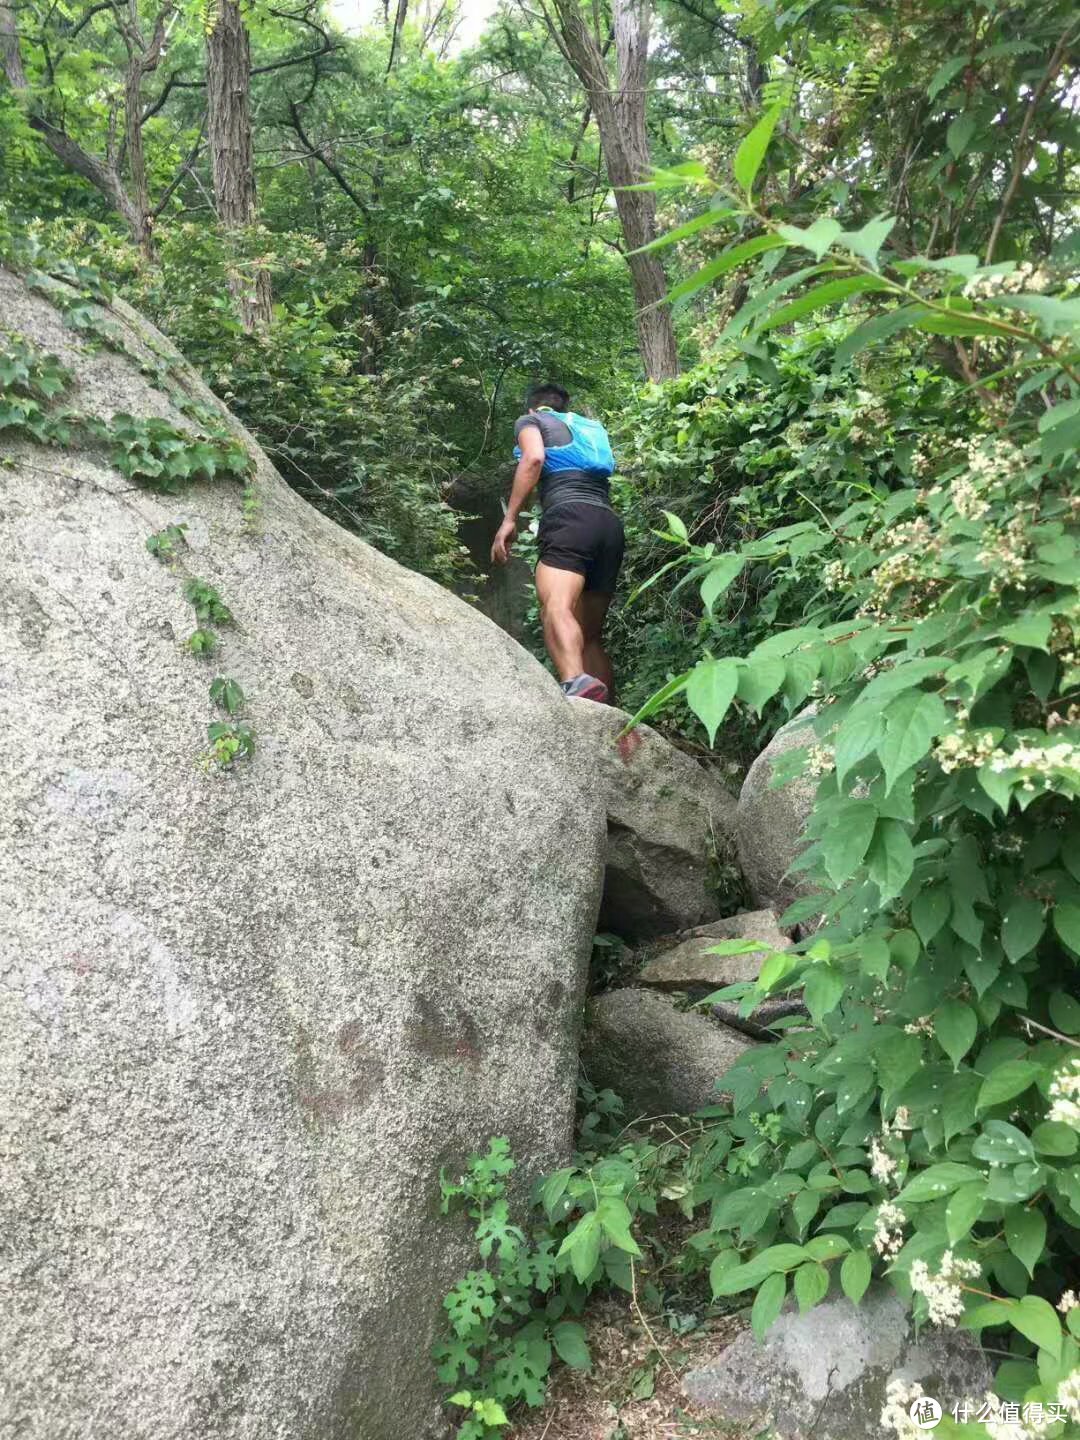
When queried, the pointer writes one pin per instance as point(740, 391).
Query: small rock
point(658, 1058)
point(824, 1374)
point(667, 816)
point(688, 966)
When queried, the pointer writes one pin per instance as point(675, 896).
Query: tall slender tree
point(620, 111)
point(232, 158)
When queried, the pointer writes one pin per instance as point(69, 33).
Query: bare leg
point(592, 608)
point(559, 591)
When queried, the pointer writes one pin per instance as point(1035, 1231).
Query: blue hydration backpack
point(589, 448)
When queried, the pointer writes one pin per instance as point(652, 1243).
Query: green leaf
point(710, 691)
point(890, 859)
point(751, 152)
point(583, 1246)
point(759, 680)
point(958, 136)
point(656, 701)
point(944, 73)
point(937, 1181)
point(955, 1028)
point(1006, 1081)
point(911, 724)
point(780, 1257)
point(830, 292)
point(227, 694)
point(822, 992)
point(811, 1285)
point(847, 839)
point(930, 910)
point(1032, 629)
point(1054, 1137)
point(877, 328)
point(1025, 1235)
point(855, 1275)
point(1002, 1144)
point(768, 1302)
point(1067, 925)
point(963, 1210)
point(614, 1217)
point(959, 1106)
point(704, 221)
point(868, 241)
point(571, 1345)
point(729, 260)
point(857, 737)
point(1022, 927)
point(817, 238)
point(764, 298)
point(1065, 1012)
point(721, 572)
point(1037, 1321)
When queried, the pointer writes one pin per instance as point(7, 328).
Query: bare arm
point(531, 444)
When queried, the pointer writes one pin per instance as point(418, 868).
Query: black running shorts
point(587, 539)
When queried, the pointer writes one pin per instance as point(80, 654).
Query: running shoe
point(586, 687)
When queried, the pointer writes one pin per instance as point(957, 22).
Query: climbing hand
point(504, 539)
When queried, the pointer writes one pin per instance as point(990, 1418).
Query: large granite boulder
point(823, 1375)
point(689, 966)
point(669, 821)
point(660, 1059)
point(246, 1015)
point(770, 819)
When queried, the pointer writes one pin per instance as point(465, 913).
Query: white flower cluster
point(1042, 762)
point(1069, 1395)
point(967, 501)
point(924, 1025)
point(900, 1122)
point(1024, 277)
point(819, 761)
point(895, 1416)
point(889, 1225)
point(943, 1292)
point(1065, 1106)
point(836, 575)
point(1068, 1301)
point(994, 459)
point(1005, 553)
point(964, 747)
point(883, 1166)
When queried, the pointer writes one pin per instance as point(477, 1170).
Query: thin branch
point(1020, 155)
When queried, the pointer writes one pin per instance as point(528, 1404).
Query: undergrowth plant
point(151, 452)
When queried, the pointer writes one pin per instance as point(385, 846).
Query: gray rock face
point(824, 1374)
point(666, 815)
point(769, 823)
point(658, 1058)
point(246, 1016)
point(688, 966)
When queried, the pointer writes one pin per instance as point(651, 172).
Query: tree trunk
point(620, 119)
point(232, 159)
point(139, 221)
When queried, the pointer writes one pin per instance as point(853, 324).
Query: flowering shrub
point(926, 1126)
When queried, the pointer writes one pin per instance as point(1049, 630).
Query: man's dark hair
point(548, 394)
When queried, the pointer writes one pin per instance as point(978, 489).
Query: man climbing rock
point(580, 536)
